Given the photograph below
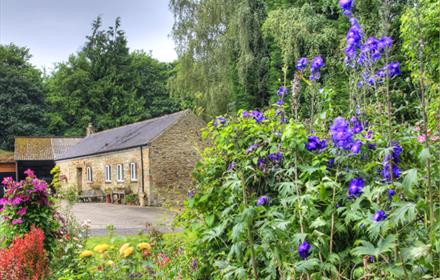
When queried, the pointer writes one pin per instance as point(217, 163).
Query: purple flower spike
point(304, 250)
point(262, 200)
point(342, 136)
point(314, 143)
point(251, 148)
point(258, 116)
point(379, 216)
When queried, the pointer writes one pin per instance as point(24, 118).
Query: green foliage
point(55, 183)
point(223, 56)
point(21, 96)
point(107, 85)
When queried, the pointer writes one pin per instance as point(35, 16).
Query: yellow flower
point(127, 252)
point(123, 247)
point(86, 254)
point(110, 263)
point(144, 246)
point(101, 248)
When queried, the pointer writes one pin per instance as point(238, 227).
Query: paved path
point(126, 219)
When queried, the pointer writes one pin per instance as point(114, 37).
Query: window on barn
point(120, 174)
point(133, 171)
point(108, 173)
point(89, 174)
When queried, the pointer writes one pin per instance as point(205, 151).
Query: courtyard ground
point(127, 220)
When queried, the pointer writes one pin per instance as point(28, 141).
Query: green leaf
point(424, 155)
point(405, 212)
point(409, 181)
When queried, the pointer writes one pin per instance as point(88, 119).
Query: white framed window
point(120, 173)
point(89, 174)
point(133, 171)
point(108, 173)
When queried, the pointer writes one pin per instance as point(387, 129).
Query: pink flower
point(22, 211)
point(3, 201)
point(17, 221)
point(40, 186)
point(7, 181)
point(435, 138)
point(421, 138)
point(30, 173)
point(16, 200)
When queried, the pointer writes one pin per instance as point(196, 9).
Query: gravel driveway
point(126, 219)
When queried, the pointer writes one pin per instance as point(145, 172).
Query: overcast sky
point(53, 29)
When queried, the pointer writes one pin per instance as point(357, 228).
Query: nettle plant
point(27, 204)
point(345, 200)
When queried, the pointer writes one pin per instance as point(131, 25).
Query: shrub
point(25, 258)
point(27, 204)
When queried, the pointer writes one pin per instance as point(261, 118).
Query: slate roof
point(123, 137)
point(6, 156)
point(42, 148)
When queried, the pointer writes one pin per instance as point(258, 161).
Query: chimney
point(90, 129)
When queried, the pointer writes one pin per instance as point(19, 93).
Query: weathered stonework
point(168, 161)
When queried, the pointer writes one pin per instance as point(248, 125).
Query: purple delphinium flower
point(263, 200)
point(342, 136)
point(280, 102)
point(251, 148)
point(379, 216)
point(371, 146)
point(258, 116)
point(355, 187)
point(276, 157)
point(316, 64)
point(219, 121)
point(314, 143)
point(231, 166)
point(261, 163)
point(385, 42)
point(356, 147)
point(391, 193)
point(387, 175)
point(370, 52)
point(282, 91)
point(302, 63)
point(304, 250)
point(331, 163)
point(346, 4)
point(357, 125)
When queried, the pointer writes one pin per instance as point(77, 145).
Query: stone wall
point(173, 156)
point(69, 169)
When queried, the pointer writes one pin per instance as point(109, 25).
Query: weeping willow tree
point(223, 57)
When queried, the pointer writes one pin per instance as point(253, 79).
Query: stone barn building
point(152, 158)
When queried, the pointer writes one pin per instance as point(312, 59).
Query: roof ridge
point(139, 122)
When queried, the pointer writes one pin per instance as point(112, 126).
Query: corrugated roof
point(42, 148)
point(123, 137)
point(6, 156)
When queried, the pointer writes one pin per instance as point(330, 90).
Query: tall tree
point(223, 56)
point(107, 85)
point(21, 96)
